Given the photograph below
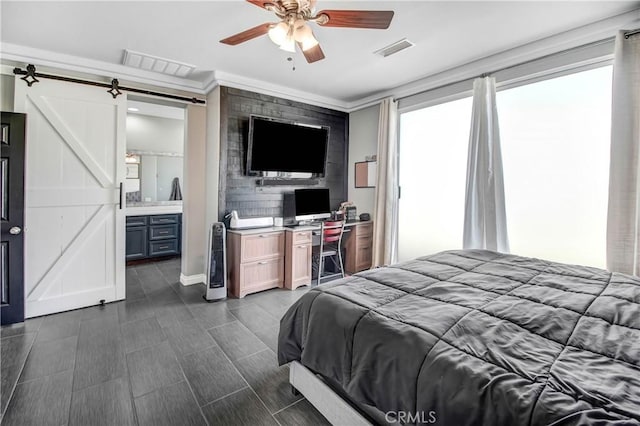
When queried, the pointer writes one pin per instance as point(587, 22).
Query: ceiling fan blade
point(313, 54)
point(247, 35)
point(260, 3)
point(376, 19)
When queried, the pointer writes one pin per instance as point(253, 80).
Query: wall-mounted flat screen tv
point(286, 148)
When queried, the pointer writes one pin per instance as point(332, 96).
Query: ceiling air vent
point(394, 48)
point(156, 64)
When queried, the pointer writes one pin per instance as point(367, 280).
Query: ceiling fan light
point(302, 34)
point(309, 42)
point(300, 30)
point(278, 33)
point(288, 45)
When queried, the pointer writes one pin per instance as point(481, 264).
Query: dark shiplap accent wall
point(239, 191)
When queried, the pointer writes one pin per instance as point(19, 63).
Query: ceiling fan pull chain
point(293, 63)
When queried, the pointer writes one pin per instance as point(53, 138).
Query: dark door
point(12, 214)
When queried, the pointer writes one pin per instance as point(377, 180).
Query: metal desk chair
point(331, 233)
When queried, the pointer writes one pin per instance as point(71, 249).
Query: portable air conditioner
point(216, 281)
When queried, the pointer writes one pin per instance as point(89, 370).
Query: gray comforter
point(476, 337)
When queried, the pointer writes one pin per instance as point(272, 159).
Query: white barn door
point(74, 224)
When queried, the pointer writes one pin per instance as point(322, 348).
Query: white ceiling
point(446, 35)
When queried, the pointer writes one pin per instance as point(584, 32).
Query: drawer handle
point(301, 233)
point(163, 248)
point(163, 232)
point(262, 263)
point(263, 236)
point(302, 246)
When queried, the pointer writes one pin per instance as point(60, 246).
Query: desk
point(299, 241)
point(264, 258)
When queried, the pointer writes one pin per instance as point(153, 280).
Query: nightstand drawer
point(163, 247)
point(164, 219)
point(161, 232)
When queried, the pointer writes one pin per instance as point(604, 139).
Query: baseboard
point(192, 279)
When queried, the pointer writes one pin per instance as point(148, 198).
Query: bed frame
point(331, 405)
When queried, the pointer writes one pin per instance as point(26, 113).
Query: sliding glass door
point(555, 149)
point(555, 137)
point(433, 161)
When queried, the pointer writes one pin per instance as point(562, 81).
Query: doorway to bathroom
point(154, 177)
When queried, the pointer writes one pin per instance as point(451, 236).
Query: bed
point(475, 337)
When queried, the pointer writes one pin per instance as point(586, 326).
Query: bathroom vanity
point(153, 230)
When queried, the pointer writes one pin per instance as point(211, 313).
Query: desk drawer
point(262, 246)
point(162, 232)
point(262, 273)
point(364, 257)
point(365, 229)
point(163, 219)
point(301, 237)
point(364, 240)
point(137, 221)
point(163, 247)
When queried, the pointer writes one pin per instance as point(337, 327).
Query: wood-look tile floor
point(163, 356)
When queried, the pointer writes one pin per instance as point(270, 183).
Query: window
point(432, 163)
point(555, 138)
point(555, 147)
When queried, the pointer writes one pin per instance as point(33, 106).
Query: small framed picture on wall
point(366, 173)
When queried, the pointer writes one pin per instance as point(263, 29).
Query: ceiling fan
point(293, 28)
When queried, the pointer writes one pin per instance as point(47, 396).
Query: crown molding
point(597, 31)
point(6, 69)
point(237, 82)
point(590, 33)
point(45, 58)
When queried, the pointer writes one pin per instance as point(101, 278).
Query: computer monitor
point(312, 204)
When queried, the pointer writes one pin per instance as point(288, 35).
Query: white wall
point(194, 233)
point(213, 156)
point(363, 141)
point(200, 190)
point(147, 133)
point(6, 92)
point(148, 172)
point(168, 169)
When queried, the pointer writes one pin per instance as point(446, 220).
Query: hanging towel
point(176, 193)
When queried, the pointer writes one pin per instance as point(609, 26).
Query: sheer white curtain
point(485, 223)
point(623, 221)
point(385, 213)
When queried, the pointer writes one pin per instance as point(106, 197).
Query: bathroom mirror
point(155, 153)
point(155, 176)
